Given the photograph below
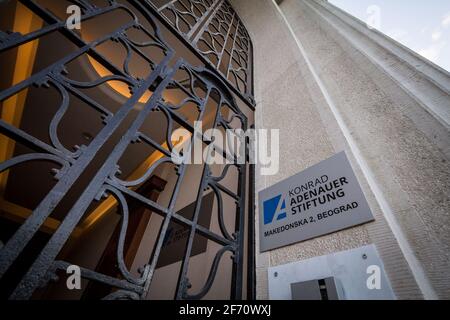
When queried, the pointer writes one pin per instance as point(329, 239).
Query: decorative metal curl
point(211, 276)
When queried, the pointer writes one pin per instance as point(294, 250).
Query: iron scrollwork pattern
point(216, 31)
point(106, 181)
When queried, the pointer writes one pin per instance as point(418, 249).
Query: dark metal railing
point(215, 30)
point(106, 182)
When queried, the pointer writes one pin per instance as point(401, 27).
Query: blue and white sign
point(321, 199)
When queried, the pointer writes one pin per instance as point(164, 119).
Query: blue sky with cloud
point(423, 26)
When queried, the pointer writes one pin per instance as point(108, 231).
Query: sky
point(421, 25)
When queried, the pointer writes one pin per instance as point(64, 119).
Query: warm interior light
point(26, 22)
point(110, 202)
point(118, 86)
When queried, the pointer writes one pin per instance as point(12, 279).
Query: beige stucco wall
point(328, 85)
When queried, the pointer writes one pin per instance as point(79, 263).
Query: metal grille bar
point(106, 182)
point(209, 26)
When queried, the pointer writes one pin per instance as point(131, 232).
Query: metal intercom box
point(317, 289)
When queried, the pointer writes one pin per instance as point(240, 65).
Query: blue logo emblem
point(271, 209)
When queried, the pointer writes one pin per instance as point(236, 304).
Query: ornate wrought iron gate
point(218, 38)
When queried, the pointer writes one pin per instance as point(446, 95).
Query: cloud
point(424, 30)
point(436, 35)
point(438, 45)
point(446, 20)
point(433, 52)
